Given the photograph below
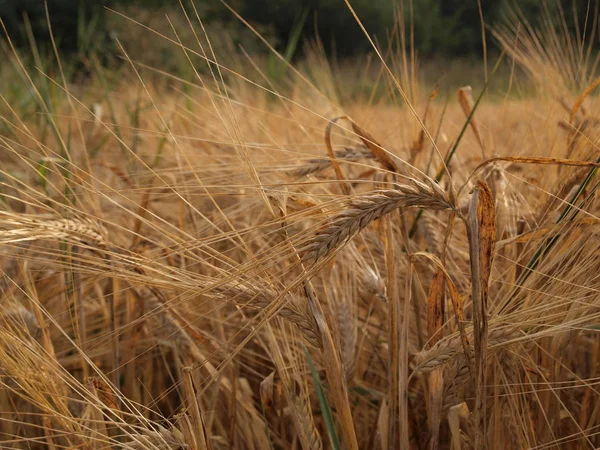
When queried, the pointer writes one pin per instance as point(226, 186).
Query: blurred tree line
point(441, 27)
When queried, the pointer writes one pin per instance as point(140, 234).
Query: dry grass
point(175, 259)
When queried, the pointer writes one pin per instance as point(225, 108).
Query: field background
point(299, 224)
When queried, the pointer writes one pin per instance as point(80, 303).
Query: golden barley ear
point(369, 207)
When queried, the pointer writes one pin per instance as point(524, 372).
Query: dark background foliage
point(441, 27)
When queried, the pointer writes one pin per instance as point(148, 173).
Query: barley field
point(332, 258)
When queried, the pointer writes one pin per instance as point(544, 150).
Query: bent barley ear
point(367, 208)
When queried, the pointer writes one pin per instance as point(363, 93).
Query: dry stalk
point(334, 371)
point(285, 386)
point(403, 387)
point(199, 435)
point(436, 317)
point(393, 324)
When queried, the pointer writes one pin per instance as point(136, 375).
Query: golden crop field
point(334, 258)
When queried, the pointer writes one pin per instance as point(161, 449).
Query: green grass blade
point(275, 67)
point(295, 35)
point(326, 410)
point(42, 172)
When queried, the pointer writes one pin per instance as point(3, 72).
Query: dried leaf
point(482, 225)
point(435, 307)
point(458, 304)
point(481, 229)
point(271, 394)
point(380, 154)
point(104, 392)
point(579, 101)
point(435, 321)
point(336, 166)
point(455, 415)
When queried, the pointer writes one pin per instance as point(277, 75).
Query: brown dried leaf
point(103, 392)
point(485, 221)
point(481, 229)
point(271, 393)
point(380, 154)
point(579, 101)
point(434, 93)
point(458, 304)
point(336, 166)
point(435, 307)
point(435, 321)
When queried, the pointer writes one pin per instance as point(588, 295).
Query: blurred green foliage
point(440, 27)
point(68, 18)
